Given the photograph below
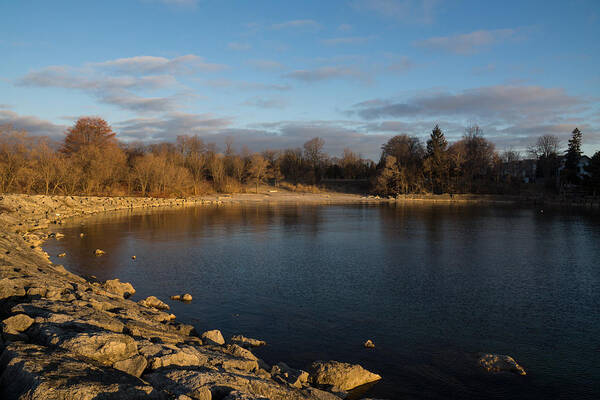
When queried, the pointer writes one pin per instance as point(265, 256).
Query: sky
point(274, 74)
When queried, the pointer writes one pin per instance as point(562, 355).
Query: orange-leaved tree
point(88, 131)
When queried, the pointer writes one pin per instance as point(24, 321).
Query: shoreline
point(78, 339)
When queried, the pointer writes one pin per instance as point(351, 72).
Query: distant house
point(524, 170)
point(584, 161)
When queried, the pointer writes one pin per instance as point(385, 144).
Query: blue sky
point(273, 74)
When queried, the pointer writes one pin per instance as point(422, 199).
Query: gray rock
point(340, 376)
point(213, 337)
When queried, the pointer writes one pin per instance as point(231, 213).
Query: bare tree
point(546, 146)
point(258, 169)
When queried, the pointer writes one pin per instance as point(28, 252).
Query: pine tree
point(573, 156)
point(436, 160)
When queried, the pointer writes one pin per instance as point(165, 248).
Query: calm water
point(430, 285)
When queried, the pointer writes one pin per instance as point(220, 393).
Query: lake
point(430, 285)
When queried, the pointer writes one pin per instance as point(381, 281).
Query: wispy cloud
point(266, 65)
point(152, 65)
point(238, 46)
point(502, 102)
point(169, 126)
point(119, 82)
point(324, 73)
point(468, 43)
point(346, 40)
point(345, 28)
point(176, 3)
point(296, 24)
point(412, 11)
point(260, 102)
point(401, 65)
point(85, 79)
point(244, 85)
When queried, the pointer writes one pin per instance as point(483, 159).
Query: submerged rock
point(247, 342)
point(369, 344)
point(154, 302)
point(213, 337)
point(340, 376)
point(499, 363)
point(99, 252)
point(182, 297)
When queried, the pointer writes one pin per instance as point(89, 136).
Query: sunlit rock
point(340, 376)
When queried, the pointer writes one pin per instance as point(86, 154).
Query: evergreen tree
point(436, 160)
point(573, 156)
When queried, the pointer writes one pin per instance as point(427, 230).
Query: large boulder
point(340, 376)
point(16, 324)
point(213, 337)
point(133, 366)
point(123, 289)
point(499, 363)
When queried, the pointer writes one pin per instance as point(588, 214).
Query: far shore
point(30, 212)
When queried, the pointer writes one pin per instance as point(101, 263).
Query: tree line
point(91, 161)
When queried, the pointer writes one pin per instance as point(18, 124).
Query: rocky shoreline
point(64, 337)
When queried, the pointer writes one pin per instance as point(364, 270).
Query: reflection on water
point(430, 285)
